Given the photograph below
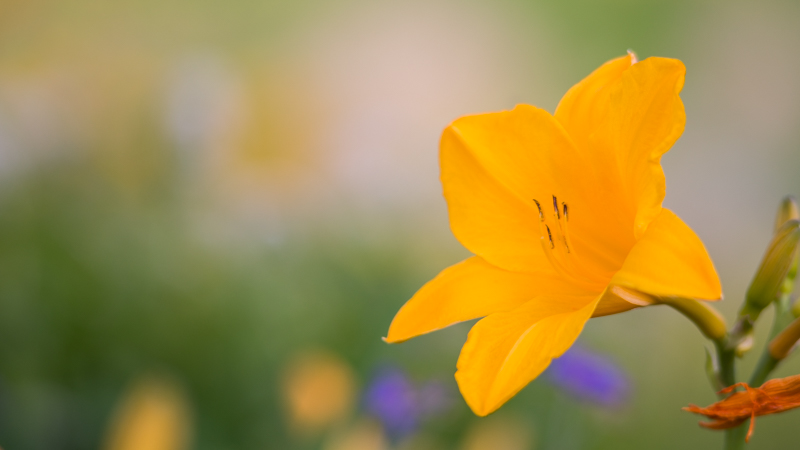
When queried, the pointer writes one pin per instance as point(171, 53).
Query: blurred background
point(210, 212)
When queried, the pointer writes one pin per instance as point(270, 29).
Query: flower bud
point(786, 212)
point(774, 267)
point(788, 284)
point(784, 342)
point(789, 210)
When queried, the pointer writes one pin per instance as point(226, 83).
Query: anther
point(550, 236)
point(555, 208)
point(566, 216)
point(541, 214)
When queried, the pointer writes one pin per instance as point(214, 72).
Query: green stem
point(734, 437)
point(783, 312)
point(727, 363)
point(707, 319)
point(766, 364)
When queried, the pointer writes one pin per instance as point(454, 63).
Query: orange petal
point(645, 118)
point(584, 106)
point(505, 351)
point(495, 165)
point(722, 424)
point(670, 261)
point(470, 289)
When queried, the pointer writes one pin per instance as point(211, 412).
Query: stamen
point(541, 214)
point(563, 227)
point(550, 236)
point(560, 256)
point(555, 254)
point(555, 207)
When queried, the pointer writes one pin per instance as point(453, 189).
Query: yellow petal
point(470, 289)
point(487, 217)
point(623, 117)
point(584, 106)
point(506, 351)
point(670, 261)
point(645, 118)
point(495, 165)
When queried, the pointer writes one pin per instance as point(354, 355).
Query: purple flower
point(400, 405)
point(589, 377)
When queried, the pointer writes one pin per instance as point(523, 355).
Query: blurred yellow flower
point(319, 389)
point(564, 215)
point(498, 433)
point(152, 415)
point(363, 435)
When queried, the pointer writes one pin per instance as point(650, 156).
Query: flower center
point(560, 227)
point(555, 240)
point(559, 249)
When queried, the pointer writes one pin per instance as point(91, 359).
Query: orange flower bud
point(774, 396)
point(784, 342)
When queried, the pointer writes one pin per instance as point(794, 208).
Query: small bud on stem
point(770, 276)
point(782, 344)
point(786, 212)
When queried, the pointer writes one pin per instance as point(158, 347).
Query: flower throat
point(555, 240)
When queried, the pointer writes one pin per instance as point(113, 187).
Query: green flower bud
point(774, 267)
point(787, 211)
point(788, 284)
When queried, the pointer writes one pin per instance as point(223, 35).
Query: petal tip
point(393, 338)
point(475, 402)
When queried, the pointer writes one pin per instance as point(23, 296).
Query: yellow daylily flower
point(563, 213)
